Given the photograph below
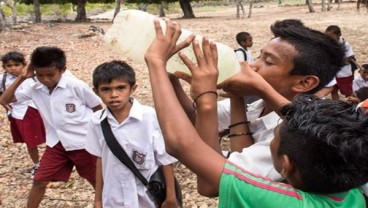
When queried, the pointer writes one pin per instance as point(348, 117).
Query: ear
point(96, 91)
point(305, 84)
point(133, 89)
point(288, 167)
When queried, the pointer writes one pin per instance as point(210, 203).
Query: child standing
point(65, 104)
point(245, 41)
point(344, 77)
point(136, 128)
point(26, 124)
point(362, 79)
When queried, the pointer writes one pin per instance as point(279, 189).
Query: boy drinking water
point(136, 129)
point(309, 137)
point(66, 104)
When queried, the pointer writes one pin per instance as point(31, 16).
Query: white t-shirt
point(359, 82)
point(345, 71)
point(257, 157)
point(65, 112)
point(19, 109)
point(141, 138)
point(240, 55)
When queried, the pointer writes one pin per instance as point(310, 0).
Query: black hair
point(365, 67)
point(334, 29)
point(48, 56)
point(288, 23)
point(327, 141)
point(242, 36)
point(362, 93)
point(13, 56)
point(108, 71)
point(317, 54)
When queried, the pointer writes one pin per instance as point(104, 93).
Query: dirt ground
point(84, 54)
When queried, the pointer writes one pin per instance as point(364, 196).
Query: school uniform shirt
point(257, 157)
point(140, 136)
point(241, 188)
point(359, 82)
point(65, 112)
point(346, 71)
point(240, 55)
point(19, 109)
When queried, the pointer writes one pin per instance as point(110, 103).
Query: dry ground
point(84, 54)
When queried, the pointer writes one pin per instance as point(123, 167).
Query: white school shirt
point(257, 157)
point(345, 71)
point(65, 112)
point(19, 109)
point(141, 138)
point(240, 55)
point(359, 82)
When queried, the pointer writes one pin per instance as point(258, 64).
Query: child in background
point(314, 181)
point(245, 41)
point(344, 77)
point(66, 104)
point(362, 79)
point(26, 124)
point(136, 128)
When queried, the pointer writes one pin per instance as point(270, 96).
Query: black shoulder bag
point(156, 186)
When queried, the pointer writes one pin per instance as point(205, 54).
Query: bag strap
point(118, 151)
point(244, 53)
point(3, 81)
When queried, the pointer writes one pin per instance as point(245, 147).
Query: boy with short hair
point(329, 184)
point(66, 105)
point(26, 124)
point(136, 128)
point(362, 79)
point(245, 41)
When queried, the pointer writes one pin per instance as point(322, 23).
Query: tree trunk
point(117, 8)
point(81, 11)
point(37, 11)
point(162, 10)
point(310, 5)
point(239, 7)
point(323, 6)
point(11, 5)
point(186, 8)
point(2, 20)
point(143, 7)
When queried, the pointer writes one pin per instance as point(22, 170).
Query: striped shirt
point(241, 189)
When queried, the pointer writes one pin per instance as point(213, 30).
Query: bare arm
point(181, 139)
point(170, 200)
point(99, 184)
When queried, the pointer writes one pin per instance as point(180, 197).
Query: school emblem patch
point(138, 157)
point(70, 107)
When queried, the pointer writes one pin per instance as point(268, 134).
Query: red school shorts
point(57, 164)
point(345, 85)
point(29, 130)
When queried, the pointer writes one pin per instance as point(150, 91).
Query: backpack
point(2, 86)
point(244, 53)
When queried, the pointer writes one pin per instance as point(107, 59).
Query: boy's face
point(332, 35)
point(364, 74)
point(49, 76)
point(13, 68)
point(274, 65)
point(115, 95)
point(248, 42)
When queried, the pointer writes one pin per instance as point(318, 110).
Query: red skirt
point(29, 130)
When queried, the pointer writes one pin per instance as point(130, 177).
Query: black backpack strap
point(244, 53)
point(3, 82)
point(118, 151)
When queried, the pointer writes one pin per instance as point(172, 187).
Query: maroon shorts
point(29, 130)
point(57, 164)
point(345, 85)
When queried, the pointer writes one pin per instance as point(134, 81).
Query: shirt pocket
point(72, 107)
point(143, 158)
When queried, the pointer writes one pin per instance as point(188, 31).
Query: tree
point(117, 8)
point(310, 5)
point(37, 11)
point(186, 7)
point(81, 11)
point(2, 20)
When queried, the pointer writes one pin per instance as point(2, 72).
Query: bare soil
point(86, 53)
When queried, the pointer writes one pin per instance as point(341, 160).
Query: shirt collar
point(135, 112)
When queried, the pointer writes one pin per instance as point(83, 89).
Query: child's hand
point(205, 74)
point(246, 82)
point(164, 46)
point(28, 72)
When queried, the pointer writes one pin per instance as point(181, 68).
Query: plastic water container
point(133, 32)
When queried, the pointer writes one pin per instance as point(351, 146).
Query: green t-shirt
point(241, 189)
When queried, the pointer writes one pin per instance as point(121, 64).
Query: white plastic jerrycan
point(133, 32)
